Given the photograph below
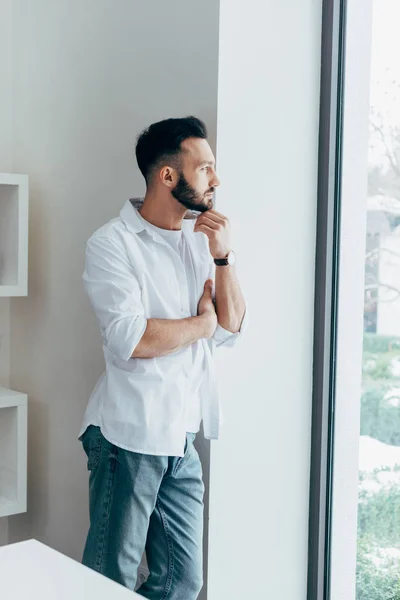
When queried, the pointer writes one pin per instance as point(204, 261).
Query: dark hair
point(162, 142)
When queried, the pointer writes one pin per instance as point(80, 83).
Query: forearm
point(229, 301)
point(164, 336)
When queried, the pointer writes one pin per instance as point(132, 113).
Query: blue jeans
point(141, 502)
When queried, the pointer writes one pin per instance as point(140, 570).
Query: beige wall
point(88, 75)
point(6, 165)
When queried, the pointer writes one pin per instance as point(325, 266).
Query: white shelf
point(13, 234)
point(13, 452)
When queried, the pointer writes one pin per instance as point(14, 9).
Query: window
point(355, 478)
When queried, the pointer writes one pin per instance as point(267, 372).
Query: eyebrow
point(210, 163)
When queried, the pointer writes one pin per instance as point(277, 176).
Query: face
point(197, 179)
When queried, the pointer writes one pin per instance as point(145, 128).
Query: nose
point(215, 180)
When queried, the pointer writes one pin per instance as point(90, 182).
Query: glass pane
point(378, 552)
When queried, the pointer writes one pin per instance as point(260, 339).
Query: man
point(149, 275)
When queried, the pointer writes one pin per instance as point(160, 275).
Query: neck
point(162, 211)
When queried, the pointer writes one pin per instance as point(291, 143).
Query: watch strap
point(221, 262)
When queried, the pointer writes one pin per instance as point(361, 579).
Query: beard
point(186, 195)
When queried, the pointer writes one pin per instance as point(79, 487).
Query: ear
point(169, 177)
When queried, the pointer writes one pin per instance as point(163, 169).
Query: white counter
point(32, 571)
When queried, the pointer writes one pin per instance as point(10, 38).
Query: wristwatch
point(228, 261)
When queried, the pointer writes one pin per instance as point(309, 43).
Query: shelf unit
point(14, 190)
point(13, 234)
point(13, 452)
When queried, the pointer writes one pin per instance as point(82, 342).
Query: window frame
point(326, 296)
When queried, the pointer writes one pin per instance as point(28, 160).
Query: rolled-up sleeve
point(115, 294)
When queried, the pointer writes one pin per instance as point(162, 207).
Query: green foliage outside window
point(378, 552)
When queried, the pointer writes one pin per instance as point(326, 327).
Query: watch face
point(231, 258)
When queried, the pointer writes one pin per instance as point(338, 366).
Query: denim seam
point(168, 581)
point(106, 514)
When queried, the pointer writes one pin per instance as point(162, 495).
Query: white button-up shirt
point(132, 274)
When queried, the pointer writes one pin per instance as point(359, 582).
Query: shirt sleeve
point(223, 337)
point(115, 294)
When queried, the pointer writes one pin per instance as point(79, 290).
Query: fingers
point(208, 287)
point(209, 222)
point(212, 220)
point(205, 229)
point(216, 216)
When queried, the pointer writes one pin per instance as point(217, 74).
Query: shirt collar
point(130, 216)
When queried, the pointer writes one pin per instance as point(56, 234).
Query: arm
point(230, 304)
point(115, 294)
point(163, 337)
point(229, 301)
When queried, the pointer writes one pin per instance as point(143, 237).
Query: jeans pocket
point(92, 441)
point(190, 437)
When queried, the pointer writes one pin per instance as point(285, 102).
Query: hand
point(207, 310)
point(216, 227)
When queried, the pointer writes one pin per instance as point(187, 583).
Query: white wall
point(267, 159)
point(88, 76)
